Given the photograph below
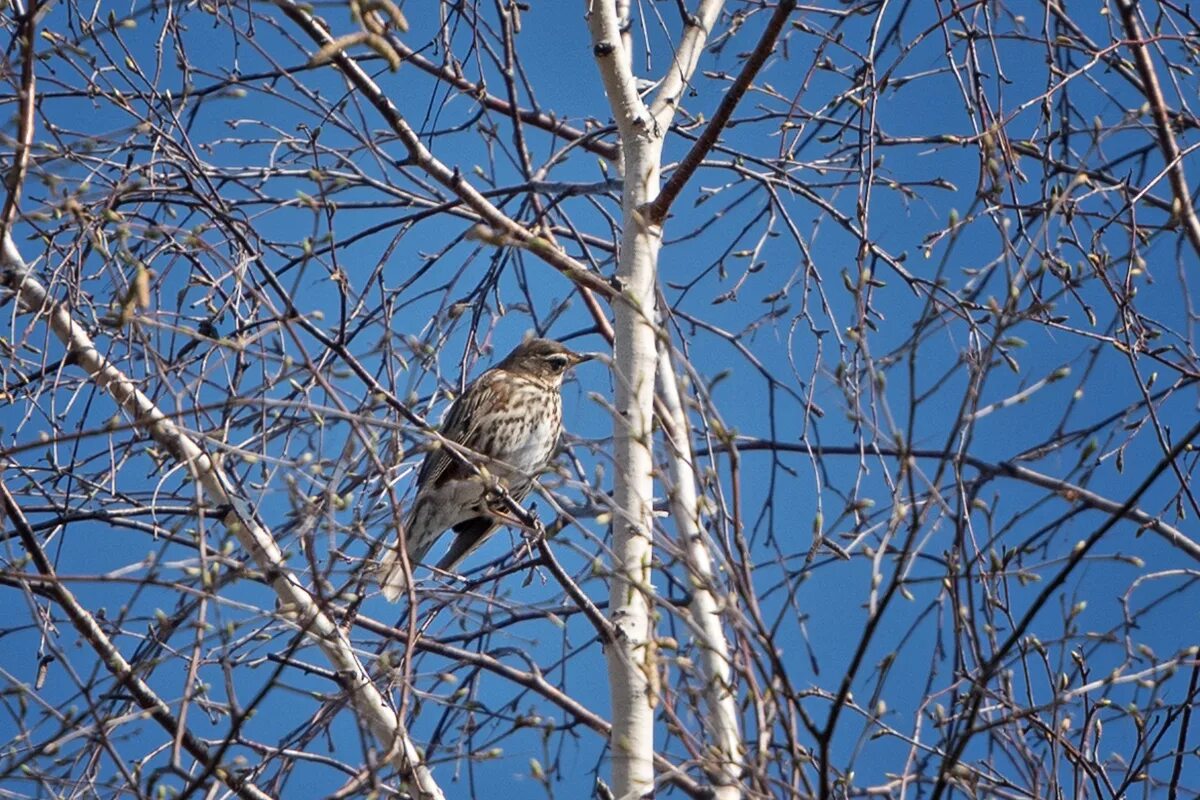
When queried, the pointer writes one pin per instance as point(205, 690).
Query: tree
point(885, 489)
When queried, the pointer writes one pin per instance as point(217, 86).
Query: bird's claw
point(505, 517)
point(534, 533)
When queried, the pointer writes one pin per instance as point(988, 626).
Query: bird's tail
point(390, 572)
point(468, 535)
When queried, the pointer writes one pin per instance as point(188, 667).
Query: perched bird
point(511, 416)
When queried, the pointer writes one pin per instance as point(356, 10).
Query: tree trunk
point(632, 667)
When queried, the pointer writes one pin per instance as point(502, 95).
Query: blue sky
point(818, 626)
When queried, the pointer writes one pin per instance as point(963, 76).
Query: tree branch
point(687, 56)
point(16, 176)
point(538, 119)
point(1184, 211)
point(657, 210)
point(1067, 490)
point(111, 657)
point(504, 227)
point(240, 519)
point(723, 726)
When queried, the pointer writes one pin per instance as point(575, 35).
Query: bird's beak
point(579, 358)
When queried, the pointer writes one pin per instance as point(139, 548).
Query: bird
point(510, 418)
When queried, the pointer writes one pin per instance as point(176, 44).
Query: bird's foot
point(536, 533)
point(533, 538)
point(519, 518)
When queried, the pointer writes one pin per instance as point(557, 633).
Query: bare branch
point(239, 517)
point(657, 210)
point(1183, 208)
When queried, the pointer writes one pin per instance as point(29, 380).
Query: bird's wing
point(461, 427)
point(471, 533)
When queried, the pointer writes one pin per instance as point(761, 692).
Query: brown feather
point(511, 416)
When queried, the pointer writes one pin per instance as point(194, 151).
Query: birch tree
point(885, 490)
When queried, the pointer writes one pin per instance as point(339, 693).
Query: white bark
point(722, 723)
point(685, 61)
point(296, 604)
point(632, 665)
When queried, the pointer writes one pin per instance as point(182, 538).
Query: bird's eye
point(557, 362)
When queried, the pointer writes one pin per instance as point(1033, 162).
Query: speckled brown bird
point(511, 416)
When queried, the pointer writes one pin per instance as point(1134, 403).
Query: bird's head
point(543, 358)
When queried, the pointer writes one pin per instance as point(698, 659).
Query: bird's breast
point(527, 428)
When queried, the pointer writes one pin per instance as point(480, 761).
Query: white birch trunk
point(721, 725)
point(632, 667)
point(632, 664)
point(631, 659)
